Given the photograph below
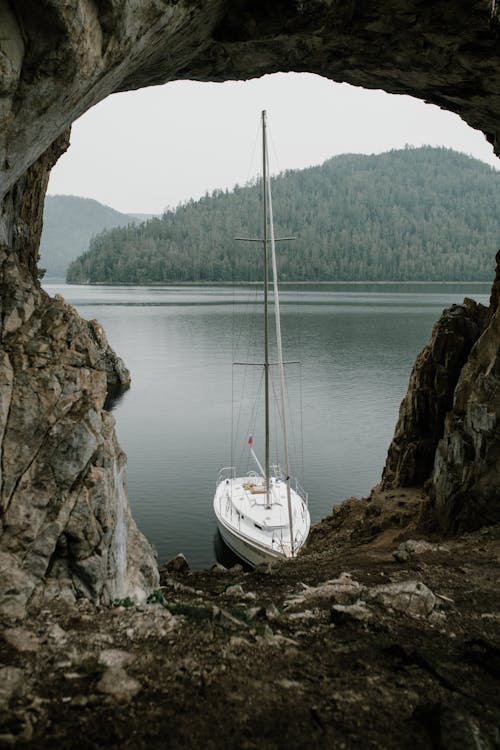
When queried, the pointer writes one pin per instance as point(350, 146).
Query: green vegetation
point(69, 223)
point(415, 214)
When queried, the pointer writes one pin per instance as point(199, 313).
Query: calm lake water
point(356, 342)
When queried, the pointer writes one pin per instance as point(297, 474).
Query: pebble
point(21, 640)
point(116, 682)
point(57, 634)
point(218, 569)
point(237, 592)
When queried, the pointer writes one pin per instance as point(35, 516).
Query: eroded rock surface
point(465, 489)
point(66, 528)
point(429, 398)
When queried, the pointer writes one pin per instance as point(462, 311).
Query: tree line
point(413, 214)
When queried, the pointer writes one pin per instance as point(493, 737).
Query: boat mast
point(266, 320)
point(281, 365)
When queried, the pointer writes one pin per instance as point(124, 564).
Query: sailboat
point(263, 516)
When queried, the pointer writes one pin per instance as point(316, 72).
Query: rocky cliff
point(65, 527)
point(465, 484)
point(64, 513)
point(448, 433)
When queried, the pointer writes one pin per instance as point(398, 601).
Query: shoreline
point(257, 283)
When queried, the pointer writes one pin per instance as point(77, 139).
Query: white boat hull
point(256, 527)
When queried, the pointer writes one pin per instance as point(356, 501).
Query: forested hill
point(415, 214)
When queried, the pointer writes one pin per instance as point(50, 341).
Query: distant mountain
point(69, 223)
point(414, 214)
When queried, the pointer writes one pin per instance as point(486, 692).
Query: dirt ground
point(345, 647)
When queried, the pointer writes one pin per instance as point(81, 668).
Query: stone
point(11, 684)
point(342, 590)
point(236, 592)
point(265, 568)
point(7, 740)
point(178, 564)
point(414, 547)
point(218, 569)
point(413, 598)
point(290, 684)
point(79, 701)
point(154, 622)
point(57, 634)
point(117, 683)
point(21, 640)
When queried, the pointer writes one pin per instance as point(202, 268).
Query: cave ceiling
point(60, 57)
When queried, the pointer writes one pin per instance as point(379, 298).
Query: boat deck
point(244, 514)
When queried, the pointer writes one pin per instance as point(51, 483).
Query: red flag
point(250, 440)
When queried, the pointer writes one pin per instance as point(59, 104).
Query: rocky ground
point(379, 636)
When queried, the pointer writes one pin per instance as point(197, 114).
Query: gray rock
point(236, 592)
point(73, 536)
point(218, 569)
point(57, 634)
point(411, 597)
point(342, 590)
point(155, 622)
point(422, 413)
point(21, 640)
point(414, 547)
point(117, 683)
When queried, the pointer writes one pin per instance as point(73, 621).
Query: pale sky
point(144, 151)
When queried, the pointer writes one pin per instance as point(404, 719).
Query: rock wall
point(65, 523)
point(465, 485)
point(429, 398)
point(448, 433)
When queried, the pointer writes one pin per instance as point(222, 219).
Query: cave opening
point(134, 149)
